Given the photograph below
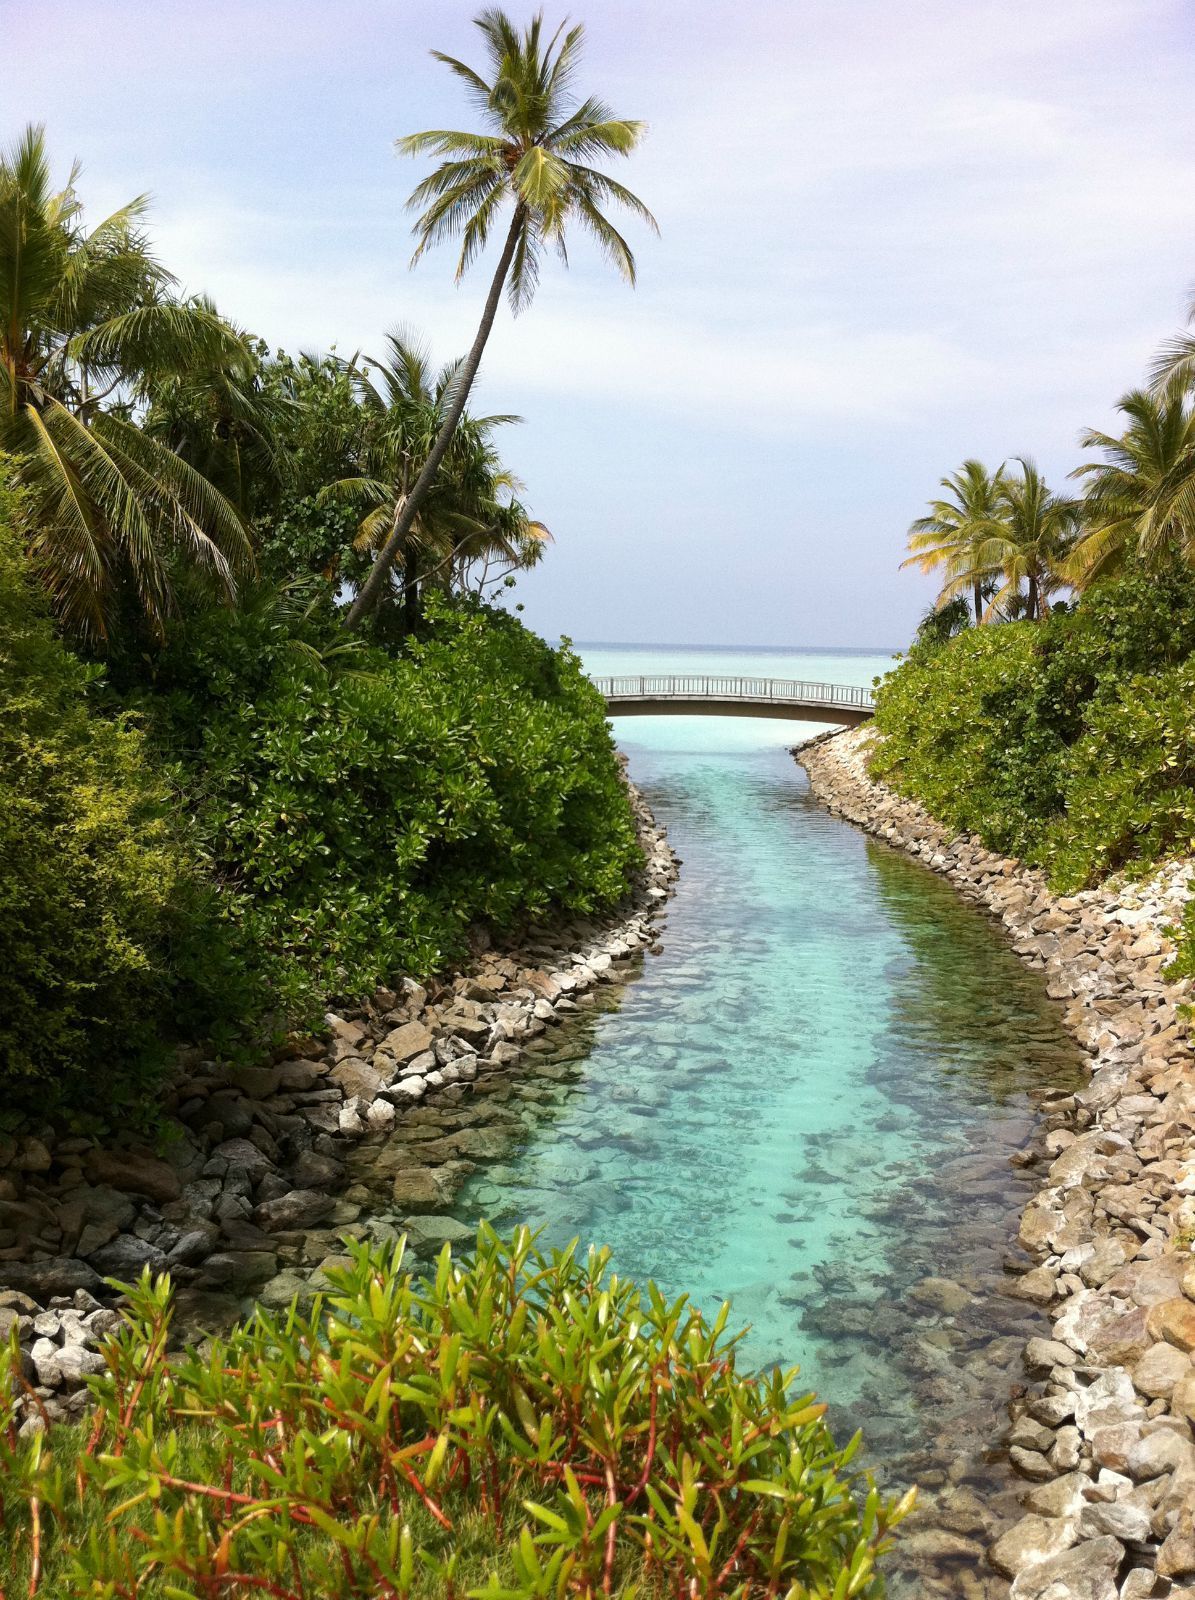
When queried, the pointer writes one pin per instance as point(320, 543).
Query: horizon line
point(775, 649)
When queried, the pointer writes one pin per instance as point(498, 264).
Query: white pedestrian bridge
point(697, 696)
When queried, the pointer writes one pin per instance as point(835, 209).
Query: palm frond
point(1173, 371)
point(611, 243)
point(166, 336)
point(67, 537)
point(478, 90)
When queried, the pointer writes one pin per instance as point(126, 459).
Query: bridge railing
point(773, 691)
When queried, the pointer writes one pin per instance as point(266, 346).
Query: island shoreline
point(246, 1199)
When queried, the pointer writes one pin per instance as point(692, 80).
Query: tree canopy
point(88, 319)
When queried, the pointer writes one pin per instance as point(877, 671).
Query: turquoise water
point(807, 1101)
point(728, 1128)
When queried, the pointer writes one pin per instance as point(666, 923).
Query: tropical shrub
point(967, 736)
point(99, 909)
point(320, 433)
point(1129, 782)
point(361, 810)
point(512, 1428)
point(1066, 742)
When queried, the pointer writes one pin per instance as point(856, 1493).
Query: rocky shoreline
point(253, 1191)
point(1102, 1434)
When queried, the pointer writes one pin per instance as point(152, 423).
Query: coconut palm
point(510, 541)
point(956, 526)
point(470, 510)
point(1028, 542)
point(1174, 370)
point(1131, 507)
point(223, 418)
point(86, 317)
point(532, 155)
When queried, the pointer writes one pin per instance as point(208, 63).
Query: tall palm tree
point(533, 154)
point(1130, 504)
point(955, 528)
point(85, 318)
point(470, 508)
point(1029, 541)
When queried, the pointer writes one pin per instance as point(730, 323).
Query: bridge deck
point(736, 697)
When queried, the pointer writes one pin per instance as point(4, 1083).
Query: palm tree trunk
point(371, 589)
point(977, 599)
point(412, 607)
point(1033, 606)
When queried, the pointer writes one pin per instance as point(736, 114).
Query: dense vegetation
point(95, 887)
point(218, 836)
point(1068, 742)
point(360, 809)
point(268, 740)
point(514, 1428)
point(1066, 737)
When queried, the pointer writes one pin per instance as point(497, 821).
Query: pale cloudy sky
point(894, 234)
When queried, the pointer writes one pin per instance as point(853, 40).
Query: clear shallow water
point(807, 1101)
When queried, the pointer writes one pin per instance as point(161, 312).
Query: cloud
point(892, 235)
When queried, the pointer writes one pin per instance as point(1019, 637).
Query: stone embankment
point(246, 1196)
point(1102, 1435)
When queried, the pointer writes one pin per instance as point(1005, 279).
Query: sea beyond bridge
point(702, 696)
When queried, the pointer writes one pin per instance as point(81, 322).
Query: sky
point(892, 236)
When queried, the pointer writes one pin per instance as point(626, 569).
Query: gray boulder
point(301, 1208)
point(55, 1275)
point(125, 1257)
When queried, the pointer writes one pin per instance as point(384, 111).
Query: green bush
point(1068, 742)
point(965, 737)
point(97, 899)
point(360, 810)
point(512, 1429)
point(319, 430)
point(1129, 781)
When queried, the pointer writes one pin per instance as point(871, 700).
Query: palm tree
point(222, 418)
point(85, 319)
point(533, 153)
point(1131, 507)
point(954, 529)
point(511, 541)
point(1174, 370)
point(469, 511)
point(1028, 542)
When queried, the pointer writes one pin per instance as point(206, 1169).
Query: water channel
point(806, 1102)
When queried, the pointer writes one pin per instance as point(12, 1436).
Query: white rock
point(409, 1089)
point(381, 1115)
point(75, 1364)
point(349, 1120)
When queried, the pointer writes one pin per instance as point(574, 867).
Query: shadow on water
point(805, 1103)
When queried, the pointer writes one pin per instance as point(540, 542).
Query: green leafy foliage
point(1069, 742)
point(1129, 781)
point(513, 1428)
point(88, 317)
point(320, 432)
point(361, 810)
point(100, 911)
point(213, 839)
